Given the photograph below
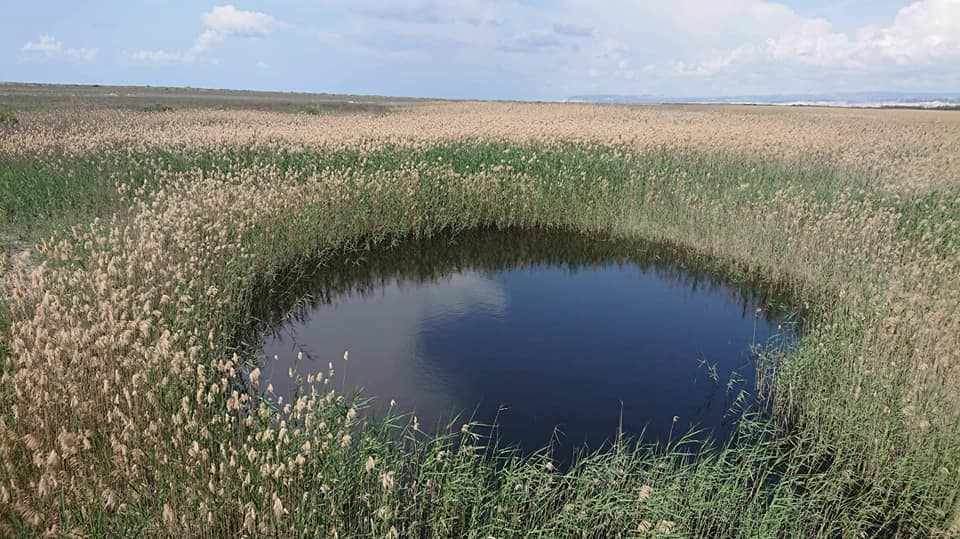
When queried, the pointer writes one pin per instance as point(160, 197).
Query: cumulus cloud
point(220, 23)
point(49, 47)
point(228, 20)
point(924, 33)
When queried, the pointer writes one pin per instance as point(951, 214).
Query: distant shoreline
point(858, 101)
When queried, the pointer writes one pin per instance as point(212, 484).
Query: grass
point(36, 191)
point(931, 219)
point(128, 412)
point(8, 118)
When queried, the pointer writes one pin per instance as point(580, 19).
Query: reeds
point(128, 409)
point(905, 149)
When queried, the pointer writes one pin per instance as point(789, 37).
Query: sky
point(490, 49)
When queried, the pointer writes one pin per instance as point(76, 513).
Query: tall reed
point(129, 410)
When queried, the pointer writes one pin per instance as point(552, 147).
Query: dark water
point(549, 333)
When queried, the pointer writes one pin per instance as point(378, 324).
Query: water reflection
point(538, 329)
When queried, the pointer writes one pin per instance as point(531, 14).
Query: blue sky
point(520, 49)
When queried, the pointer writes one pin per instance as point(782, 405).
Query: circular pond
point(552, 335)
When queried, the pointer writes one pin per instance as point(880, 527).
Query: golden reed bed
point(907, 149)
point(124, 412)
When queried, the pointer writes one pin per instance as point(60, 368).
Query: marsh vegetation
point(143, 249)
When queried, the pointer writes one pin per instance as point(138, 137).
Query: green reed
point(854, 447)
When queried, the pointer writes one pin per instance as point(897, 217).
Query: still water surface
point(552, 334)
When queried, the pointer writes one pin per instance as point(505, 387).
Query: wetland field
point(283, 315)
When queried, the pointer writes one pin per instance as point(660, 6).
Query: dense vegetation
point(127, 407)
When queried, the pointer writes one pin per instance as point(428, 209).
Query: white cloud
point(46, 45)
point(924, 33)
point(680, 47)
point(50, 47)
point(228, 20)
point(219, 24)
point(155, 57)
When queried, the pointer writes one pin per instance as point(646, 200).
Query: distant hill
point(843, 99)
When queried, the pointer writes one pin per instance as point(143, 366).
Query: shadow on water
point(549, 333)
